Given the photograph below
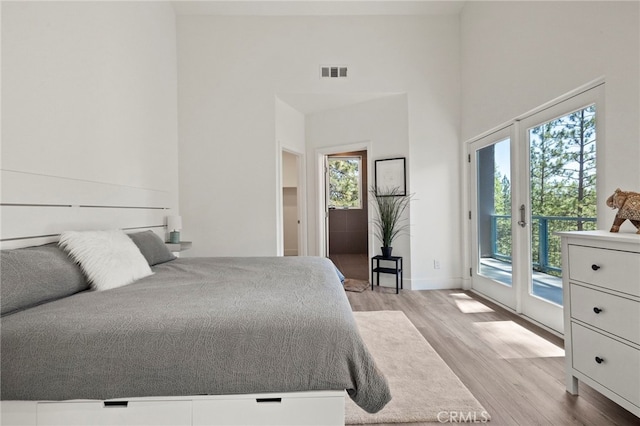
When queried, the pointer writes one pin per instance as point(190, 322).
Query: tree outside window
point(345, 183)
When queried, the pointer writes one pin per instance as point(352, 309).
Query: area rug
point(358, 286)
point(423, 387)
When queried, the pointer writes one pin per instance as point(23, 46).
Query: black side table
point(397, 271)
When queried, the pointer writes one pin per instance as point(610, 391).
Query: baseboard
point(466, 283)
point(433, 284)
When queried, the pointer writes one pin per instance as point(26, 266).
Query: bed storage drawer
point(99, 413)
point(308, 408)
point(291, 408)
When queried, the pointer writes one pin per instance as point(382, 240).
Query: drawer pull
point(599, 360)
point(595, 267)
point(597, 310)
point(122, 404)
point(268, 400)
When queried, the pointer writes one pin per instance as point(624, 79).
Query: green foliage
point(390, 206)
point(344, 182)
point(502, 194)
point(502, 207)
point(563, 166)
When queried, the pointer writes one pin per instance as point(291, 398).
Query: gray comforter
point(197, 326)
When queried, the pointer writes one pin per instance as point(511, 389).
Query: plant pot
point(386, 251)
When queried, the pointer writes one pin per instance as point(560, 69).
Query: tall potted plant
point(389, 223)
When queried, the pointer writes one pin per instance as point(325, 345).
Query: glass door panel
point(492, 271)
point(559, 155)
point(494, 212)
point(562, 160)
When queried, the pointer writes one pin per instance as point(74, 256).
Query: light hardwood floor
point(514, 368)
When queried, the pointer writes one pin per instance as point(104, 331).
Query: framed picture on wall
point(390, 175)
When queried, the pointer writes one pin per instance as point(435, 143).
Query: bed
point(217, 340)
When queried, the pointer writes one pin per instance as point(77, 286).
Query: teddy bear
point(628, 205)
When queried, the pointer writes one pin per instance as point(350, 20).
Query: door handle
point(522, 222)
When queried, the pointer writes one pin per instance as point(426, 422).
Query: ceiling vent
point(332, 71)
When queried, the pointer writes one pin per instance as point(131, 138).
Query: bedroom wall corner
point(230, 68)
point(89, 94)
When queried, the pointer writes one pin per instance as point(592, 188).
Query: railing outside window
point(545, 244)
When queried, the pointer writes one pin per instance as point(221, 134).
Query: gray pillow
point(152, 247)
point(36, 275)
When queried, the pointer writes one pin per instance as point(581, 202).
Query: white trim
point(498, 129)
point(303, 229)
point(600, 81)
point(573, 93)
point(278, 206)
point(433, 283)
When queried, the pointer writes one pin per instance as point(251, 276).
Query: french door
point(529, 180)
point(492, 230)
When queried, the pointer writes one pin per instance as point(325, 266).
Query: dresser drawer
point(617, 270)
point(617, 315)
point(620, 366)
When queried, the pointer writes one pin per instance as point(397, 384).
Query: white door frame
point(531, 307)
point(549, 314)
point(321, 154)
point(302, 203)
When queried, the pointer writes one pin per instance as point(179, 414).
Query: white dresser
point(601, 279)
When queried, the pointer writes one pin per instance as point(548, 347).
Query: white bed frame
point(277, 409)
point(34, 210)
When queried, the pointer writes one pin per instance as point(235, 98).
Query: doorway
point(530, 180)
point(346, 204)
point(292, 205)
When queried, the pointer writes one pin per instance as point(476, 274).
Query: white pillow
point(110, 259)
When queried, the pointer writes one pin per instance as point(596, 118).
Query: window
point(345, 187)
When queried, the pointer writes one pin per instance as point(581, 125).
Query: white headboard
point(35, 209)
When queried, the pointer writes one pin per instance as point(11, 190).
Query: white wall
point(89, 92)
point(230, 69)
point(517, 56)
point(289, 127)
point(380, 124)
